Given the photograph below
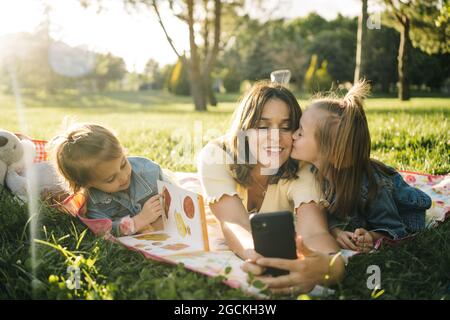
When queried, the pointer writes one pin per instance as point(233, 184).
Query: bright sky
point(136, 37)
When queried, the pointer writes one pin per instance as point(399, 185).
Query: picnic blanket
point(220, 261)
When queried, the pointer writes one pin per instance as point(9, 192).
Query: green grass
point(411, 135)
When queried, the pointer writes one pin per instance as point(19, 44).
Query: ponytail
point(343, 139)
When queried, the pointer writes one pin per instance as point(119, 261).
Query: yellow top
point(216, 180)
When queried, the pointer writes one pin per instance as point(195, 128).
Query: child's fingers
point(359, 235)
point(360, 232)
point(365, 246)
point(359, 240)
point(154, 198)
point(348, 243)
point(364, 249)
point(156, 214)
point(342, 244)
point(349, 234)
point(368, 242)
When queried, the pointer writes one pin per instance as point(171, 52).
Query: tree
point(381, 63)
point(201, 58)
point(179, 80)
point(338, 48)
point(108, 70)
point(200, 67)
point(361, 46)
point(153, 76)
point(422, 22)
point(317, 79)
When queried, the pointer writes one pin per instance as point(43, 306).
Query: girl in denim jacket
point(120, 188)
point(363, 196)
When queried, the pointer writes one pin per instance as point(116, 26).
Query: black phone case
point(274, 237)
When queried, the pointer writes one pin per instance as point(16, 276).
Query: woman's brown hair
point(80, 149)
point(246, 117)
point(344, 143)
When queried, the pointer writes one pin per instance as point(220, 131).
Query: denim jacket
point(397, 209)
point(115, 206)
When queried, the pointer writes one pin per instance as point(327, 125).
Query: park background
point(157, 71)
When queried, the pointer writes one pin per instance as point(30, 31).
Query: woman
point(249, 170)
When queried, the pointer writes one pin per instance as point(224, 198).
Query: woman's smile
point(273, 151)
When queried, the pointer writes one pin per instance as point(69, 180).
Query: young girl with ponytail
point(366, 199)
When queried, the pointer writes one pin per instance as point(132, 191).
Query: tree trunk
point(209, 88)
point(361, 47)
point(197, 84)
point(403, 57)
point(197, 90)
point(212, 97)
point(211, 56)
point(385, 86)
point(207, 77)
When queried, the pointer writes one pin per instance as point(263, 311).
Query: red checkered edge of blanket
point(74, 204)
point(41, 153)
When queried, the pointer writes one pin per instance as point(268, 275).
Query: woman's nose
point(295, 135)
point(274, 135)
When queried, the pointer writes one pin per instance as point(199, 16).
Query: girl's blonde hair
point(80, 149)
point(343, 140)
point(246, 116)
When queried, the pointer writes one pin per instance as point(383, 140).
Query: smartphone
point(274, 237)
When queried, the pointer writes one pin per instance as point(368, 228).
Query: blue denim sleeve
point(412, 204)
point(149, 171)
point(409, 197)
point(383, 215)
point(112, 212)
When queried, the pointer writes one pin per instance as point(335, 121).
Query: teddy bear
point(16, 165)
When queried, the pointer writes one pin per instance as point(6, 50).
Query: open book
point(184, 220)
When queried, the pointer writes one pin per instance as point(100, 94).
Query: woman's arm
point(313, 228)
point(235, 224)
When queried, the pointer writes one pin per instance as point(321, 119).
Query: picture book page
point(185, 228)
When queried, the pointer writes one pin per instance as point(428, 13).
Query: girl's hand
point(152, 209)
point(363, 240)
point(344, 239)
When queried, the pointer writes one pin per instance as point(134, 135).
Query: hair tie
point(72, 140)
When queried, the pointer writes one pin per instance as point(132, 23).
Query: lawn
point(411, 135)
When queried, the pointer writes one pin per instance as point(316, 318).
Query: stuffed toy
point(19, 173)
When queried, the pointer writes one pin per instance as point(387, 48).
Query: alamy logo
point(374, 281)
point(374, 21)
point(73, 282)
